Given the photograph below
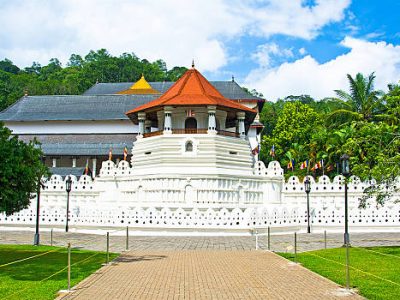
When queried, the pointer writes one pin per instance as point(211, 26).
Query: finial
point(26, 93)
point(142, 75)
point(233, 78)
point(193, 63)
point(97, 81)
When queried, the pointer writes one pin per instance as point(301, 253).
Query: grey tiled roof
point(99, 107)
point(93, 144)
point(113, 88)
point(230, 89)
point(99, 103)
point(64, 171)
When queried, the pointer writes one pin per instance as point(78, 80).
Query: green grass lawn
point(374, 272)
point(27, 279)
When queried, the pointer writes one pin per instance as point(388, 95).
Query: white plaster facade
point(119, 198)
point(72, 127)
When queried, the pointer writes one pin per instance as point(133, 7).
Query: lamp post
point(307, 187)
point(36, 239)
point(68, 184)
point(346, 172)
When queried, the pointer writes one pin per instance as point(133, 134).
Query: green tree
point(361, 104)
point(20, 171)
point(292, 132)
point(7, 65)
point(391, 114)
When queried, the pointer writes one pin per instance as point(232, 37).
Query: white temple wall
point(119, 198)
point(68, 127)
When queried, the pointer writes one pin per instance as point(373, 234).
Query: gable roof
point(191, 89)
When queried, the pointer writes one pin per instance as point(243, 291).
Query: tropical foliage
point(363, 123)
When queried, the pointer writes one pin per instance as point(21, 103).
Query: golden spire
point(140, 87)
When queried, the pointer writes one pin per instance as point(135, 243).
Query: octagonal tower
point(192, 129)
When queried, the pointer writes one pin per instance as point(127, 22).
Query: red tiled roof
point(192, 89)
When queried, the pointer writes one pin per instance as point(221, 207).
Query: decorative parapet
point(274, 169)
point(110, 169)
point(57, 183)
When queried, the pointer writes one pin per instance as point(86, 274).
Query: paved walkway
point(204, 274)
point(279, 243)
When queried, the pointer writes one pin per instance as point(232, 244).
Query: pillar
point(240, 116)
point(212, 124)
point(94, 164)
point(167, 120)
point(74, 162)
point(142, 119)
point(54, 162)
point(147, 126)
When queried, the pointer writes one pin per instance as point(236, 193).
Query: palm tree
point(361, 104)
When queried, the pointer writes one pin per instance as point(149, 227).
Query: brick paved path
point(205, 274)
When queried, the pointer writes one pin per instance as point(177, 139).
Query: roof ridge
point(200, 83)
point(183, 84)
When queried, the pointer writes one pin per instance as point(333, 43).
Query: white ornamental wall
point(107, 202)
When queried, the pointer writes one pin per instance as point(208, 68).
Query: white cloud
point(292, 18)
point(302, 51)
point(175, 30)
point(307, 76)
point(266, 52)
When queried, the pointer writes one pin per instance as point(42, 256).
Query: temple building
point(76, 130)
point(192, 165)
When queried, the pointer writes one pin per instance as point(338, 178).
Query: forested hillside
point(78, 75)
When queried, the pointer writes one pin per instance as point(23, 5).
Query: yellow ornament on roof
point(140, 87)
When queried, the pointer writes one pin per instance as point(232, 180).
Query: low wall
point(101, 203)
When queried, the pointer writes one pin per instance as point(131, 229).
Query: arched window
point(190, 123)
point(189, 146)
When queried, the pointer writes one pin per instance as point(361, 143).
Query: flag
point(86, 172)
point(291, 164)
point(110, 154)
point(190, 113)
point(272, 151)
point(256, 150)
point(318, 165)
point(125, 153)
point(304, 165)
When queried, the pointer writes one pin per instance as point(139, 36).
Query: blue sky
point(279, 47)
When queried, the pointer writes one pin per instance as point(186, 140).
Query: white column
point(147, 126)
point(240, 116)
point(212, 125)
point(94, 163)
point(54, 162)
point(74, 162)
point(167, 120)
point(142, 119)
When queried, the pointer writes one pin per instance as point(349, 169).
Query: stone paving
point(278, 243)
point(205, 274)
